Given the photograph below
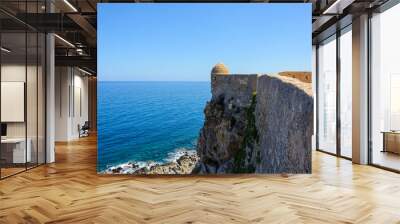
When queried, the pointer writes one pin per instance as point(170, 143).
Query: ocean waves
point(148, 122)
point(133, 166)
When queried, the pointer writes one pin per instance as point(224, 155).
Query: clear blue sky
point(182, 42)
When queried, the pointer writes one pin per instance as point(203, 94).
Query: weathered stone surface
point(237, 89)
point(284, 120)
point(222, 134)
point(302, 76)
point(269, 132)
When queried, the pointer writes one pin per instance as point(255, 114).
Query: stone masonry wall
point(302, 76)
point(238, 87)
point(284, 120)
point(256, 124)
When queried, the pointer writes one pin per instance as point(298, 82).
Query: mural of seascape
point(152, 122)
point(198, 94)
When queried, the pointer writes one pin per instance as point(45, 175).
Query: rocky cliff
point(221, 137)
point(259, 124)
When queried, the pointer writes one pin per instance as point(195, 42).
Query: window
point(385, 89)
point(327, 95)
point(346, 92)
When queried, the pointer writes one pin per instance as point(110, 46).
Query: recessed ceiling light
point(70, 5)
point(64, 40)
point(84, 71)
point(338, 6)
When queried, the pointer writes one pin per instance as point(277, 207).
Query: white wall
point(79, 111)
point(71, 87)
point(62, 82)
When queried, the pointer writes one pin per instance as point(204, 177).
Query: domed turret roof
point(220, 69)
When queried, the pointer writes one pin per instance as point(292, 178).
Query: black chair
point(84, 130)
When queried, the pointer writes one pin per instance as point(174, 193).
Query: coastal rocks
point(124, 168)
point(256, 124)
point(183, 165)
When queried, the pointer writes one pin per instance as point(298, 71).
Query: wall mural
point(167, 105)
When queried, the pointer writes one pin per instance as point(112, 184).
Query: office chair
point(84, 130)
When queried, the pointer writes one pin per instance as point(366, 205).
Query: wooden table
point(391, 141)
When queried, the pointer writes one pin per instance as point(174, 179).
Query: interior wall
point(71, 102)
point(92, 98)
point(80, 109)
point(62, 82)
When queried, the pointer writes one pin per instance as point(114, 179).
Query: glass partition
point(15, 151)
point(327, 95)
point(22, 78)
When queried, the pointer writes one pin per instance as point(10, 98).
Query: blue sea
point(148, 121)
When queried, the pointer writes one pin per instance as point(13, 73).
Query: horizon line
point(153, 80)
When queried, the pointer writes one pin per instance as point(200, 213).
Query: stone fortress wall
point(284, 121)
point(238, 87)
point(302, 76)
point(247, 83)
point(257, 123)
point(243, 86)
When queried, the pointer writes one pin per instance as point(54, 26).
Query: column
point(360, 90)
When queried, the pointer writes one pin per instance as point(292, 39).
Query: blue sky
point(182, 42)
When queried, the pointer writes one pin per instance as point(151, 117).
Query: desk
point(391, 141)
point(19, 154)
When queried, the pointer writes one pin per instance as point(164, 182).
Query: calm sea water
point(148, 121)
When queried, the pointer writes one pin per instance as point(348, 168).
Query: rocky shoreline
point(185, 164)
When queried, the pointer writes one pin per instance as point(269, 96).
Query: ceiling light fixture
point(64, 40)
point(337, 7)
point(5, 50)
point(70, 5)
point(79, 51)
point(84, 71)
